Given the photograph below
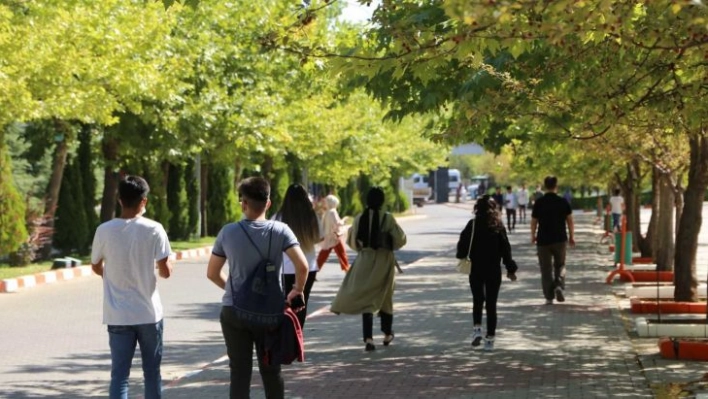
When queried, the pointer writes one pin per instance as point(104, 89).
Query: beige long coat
point(368, 285)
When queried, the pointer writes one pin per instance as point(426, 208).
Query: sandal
point(370, 345)
point(388, 338)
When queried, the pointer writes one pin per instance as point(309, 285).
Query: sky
point(356, 12)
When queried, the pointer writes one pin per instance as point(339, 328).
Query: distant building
point(468, 149)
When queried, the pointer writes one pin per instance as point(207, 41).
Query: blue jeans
point(616, 220)
point(122, 340)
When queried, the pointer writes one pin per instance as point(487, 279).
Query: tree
point(71, 228)
point(178, 203)
point(12, 210)
point(222, 206)
point(570, 70)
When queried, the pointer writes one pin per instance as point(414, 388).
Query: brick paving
point(577, 349)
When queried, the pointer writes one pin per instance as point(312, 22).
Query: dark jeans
point(485, 292)
point(616, 217)
point(551, 258)
point(239, 340)
point(522, 213)
point(290, 281)
point(367, 320)
point(122, 341)
point(510, 219)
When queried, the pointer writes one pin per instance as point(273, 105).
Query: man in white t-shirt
point(522, 197)
point(125, 253)
point(510, 203)
point(617, 209)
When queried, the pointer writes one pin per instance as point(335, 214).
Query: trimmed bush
point(222, 204)
point(71, 230)
point(178, 204)
point(13, 232)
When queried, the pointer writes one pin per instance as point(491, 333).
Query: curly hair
point(487, 210)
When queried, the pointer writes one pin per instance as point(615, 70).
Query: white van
point(454, 179)
point(419, 188)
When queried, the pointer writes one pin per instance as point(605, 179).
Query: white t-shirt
point(289, 267)
point(129, 249)
point(510, 201)
point(616, 202)
point(522, 196)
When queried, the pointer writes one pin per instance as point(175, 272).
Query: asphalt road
point(53, 345)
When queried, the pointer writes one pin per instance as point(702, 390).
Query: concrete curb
point(24, 282)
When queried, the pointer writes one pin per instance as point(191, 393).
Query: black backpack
point(260, 300)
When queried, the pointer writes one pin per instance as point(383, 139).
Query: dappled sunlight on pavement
point(577, 349)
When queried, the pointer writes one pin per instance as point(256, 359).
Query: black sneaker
point(370, 347)
point(559, 294)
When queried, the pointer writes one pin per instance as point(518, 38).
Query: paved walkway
point(577, 349)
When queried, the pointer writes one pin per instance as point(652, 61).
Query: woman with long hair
point(332, 231)
point(368, 286)
point(297, 212)
point(489, 247)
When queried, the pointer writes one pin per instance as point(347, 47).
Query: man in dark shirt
point(550, 214)
point(498, 197)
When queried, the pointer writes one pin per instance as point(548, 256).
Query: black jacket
point(489, 248)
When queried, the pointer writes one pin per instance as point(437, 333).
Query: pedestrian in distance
point(522, 197)
point(481, 189)
point(298, 213)
point(489, 247)
point(568, 196)
point(550, 215)
point(498, 198)
point(510, 203)
point(368, 286)
point(617, 209)
point(240, 245)
point(332, 226)
point(538, 194)
point(126, 251)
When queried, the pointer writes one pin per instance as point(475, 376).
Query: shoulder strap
point(469, 251)
point(270, 239)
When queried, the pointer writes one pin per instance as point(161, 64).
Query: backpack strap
point(270, 239)
point(245, 231)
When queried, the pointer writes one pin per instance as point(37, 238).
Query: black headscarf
point(370, 235)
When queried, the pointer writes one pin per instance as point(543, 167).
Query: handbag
point(464, 265)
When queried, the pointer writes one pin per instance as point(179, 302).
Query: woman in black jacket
point(490, 246)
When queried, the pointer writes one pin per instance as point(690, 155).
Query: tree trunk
point(63, 132)
point(204, 190)
point(665, 227)
point(111, 177)
point(685, 278)
point(678, 205)
point(648, 245)
point(60, 154)
point(630, 193)
point(267, 169)
point(238, 173)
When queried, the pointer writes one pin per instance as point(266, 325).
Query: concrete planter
point(650, 291)
point(666, 307)
point(689, 328)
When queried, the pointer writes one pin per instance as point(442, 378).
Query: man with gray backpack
point(254, 301)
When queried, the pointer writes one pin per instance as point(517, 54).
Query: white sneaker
point(489, 344)
point(476, 336)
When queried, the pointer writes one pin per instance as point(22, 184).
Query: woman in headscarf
point(332, 230)
point(368, 286)
point(488, 248)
